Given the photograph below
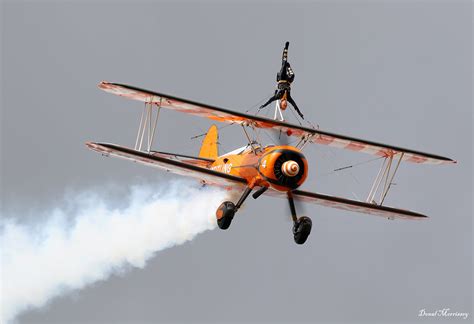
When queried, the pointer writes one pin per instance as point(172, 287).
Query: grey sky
point(394, 72)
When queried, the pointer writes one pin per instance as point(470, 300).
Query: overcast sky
point(394, 72)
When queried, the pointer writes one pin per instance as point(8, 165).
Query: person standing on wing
point(284, 78)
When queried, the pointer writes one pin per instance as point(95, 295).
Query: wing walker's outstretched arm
point(284, 56)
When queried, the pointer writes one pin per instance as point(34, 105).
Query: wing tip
point(103, 84)
point(421, 217)
point(97, 147)
point(446, 160)
point(89, 144)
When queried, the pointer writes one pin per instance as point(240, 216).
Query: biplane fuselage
point(263, 166)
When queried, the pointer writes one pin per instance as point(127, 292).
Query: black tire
point(302, 229)
point(227, 211)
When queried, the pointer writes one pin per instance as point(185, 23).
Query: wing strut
point(148, 122)
point(249, 139)
point(387, 177)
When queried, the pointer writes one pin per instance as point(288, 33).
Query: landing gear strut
point(226, 211)
point(301, 226)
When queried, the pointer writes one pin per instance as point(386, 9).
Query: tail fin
point(209, 148)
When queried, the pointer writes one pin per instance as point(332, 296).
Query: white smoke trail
point(66, 252)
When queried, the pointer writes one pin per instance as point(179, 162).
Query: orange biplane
point(277, 170)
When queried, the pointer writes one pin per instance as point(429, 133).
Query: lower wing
point(348, 204)
point(190, 166)
point(179, 164)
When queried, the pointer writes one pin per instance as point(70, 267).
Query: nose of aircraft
point(290, 168)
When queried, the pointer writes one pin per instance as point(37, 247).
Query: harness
point(284, 85)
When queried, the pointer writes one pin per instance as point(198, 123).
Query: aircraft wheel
point(301, 229)
point(224, 214)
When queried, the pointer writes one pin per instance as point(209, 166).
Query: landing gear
point(226, 211)
point(301, 226)
point(301, 229)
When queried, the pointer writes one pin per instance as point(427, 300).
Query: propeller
point(287, 169)
point(281, 138)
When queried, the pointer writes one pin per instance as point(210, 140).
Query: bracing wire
point(257, 105)
point(296, 117)
point(254, 106)
point(356, 164)
point(219, 128)
point(338, 174)
point(347, 167)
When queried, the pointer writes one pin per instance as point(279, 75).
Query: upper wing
point(229, 116)
point(350, 205)
point(163, 161)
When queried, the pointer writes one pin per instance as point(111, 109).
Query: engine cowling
point(284, 168)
